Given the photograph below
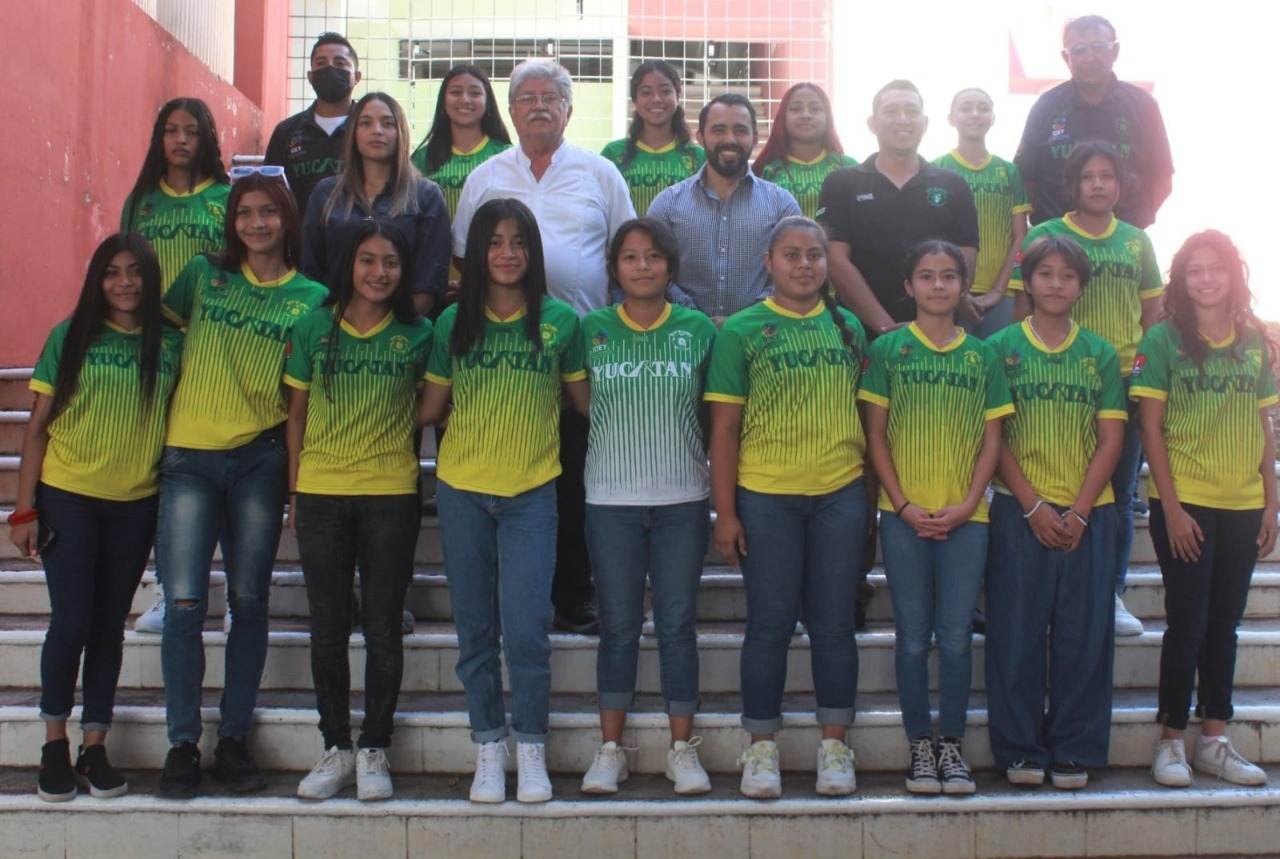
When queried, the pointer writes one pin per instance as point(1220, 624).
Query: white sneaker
point(836, 775)
point(1169, 764)
point(1126, 623)
point(335, 770)
point(608, 768)
point(373, 775)
point(151, 621)
point(532, 784)
point(760, 776)
point(490, 782)
point(684, 768)
point(226, 620)
point(1216, 756)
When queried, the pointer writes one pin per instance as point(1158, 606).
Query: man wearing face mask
point(721, 216)
point(309, 144)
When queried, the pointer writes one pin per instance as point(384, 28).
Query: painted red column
point(262, 56)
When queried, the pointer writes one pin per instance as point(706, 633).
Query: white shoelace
point(951, 763)
point(1221, 754)
point(837, 757)
point(760, 760)
point(330, 761)
point(687, 758)
point(923, 763)
point(489, 761)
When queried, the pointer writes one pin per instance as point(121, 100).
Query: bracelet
point(1084, 523)
point(905, 505)
point(1039, 503)
point(16, 518)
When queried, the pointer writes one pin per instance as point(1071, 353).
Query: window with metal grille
point(430, 59)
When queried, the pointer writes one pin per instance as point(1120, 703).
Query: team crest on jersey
point(216, 212)
point(681, 340)
point(399, 343)
point(145, 211)
point(295, 308)
point(1089, 365)
point(1013, 359)
point(1139, 362)
point(936, 196)
point(972, 359)
point(549, 332)
point(1134, 247)
point(1253, 357)
point(1002, 174)
point(599, 340)
point(768, 330)
point(1059, 127)
point(904, 351)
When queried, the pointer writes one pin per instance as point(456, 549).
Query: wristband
point(905, 505)
point(1039, 503)
point(16, 518)
point(1084, 523)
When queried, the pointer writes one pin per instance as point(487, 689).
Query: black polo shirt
point(307, 152)
point(880, 222)
point(1127, 117)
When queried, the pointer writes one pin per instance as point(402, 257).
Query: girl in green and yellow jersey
point(222, 476)
point(354, 368)
point(501, 357)
point(657, 151)
point(1049, 568)
point(1122, 302)
point(803, 147)
point(786, 478)
point(935, 399)
point(87, 494)
point(1205, 394)
point(179, 200)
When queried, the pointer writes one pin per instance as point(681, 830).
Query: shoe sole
point(241, 788)
point(765, 793)
point(56, 797)
point(1070, 782)
point(1025, 778)
point(688, 791)
point(1229, 780)
point(835, 789)
point(1176, 782)
point(533, 798)
point(323, 796)
point(604, 789)
point(488, 800)
point(374, 797)
point(930, 788)
point(959, 788)
point(180, 792)
point(99, 793)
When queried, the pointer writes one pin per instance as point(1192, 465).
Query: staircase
point(1122, 813)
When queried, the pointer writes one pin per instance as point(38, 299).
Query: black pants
point(572, 584)
point(1203, 602)
point(335, 534)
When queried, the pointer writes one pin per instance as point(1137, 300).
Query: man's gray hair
point(541, 70)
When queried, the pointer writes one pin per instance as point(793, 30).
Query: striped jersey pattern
point(999, 194)
point(651, 170)
point(180, 226)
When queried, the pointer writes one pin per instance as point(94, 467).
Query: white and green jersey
point(646, 445)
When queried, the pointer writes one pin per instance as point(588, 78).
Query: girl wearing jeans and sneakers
point(1205, 392)
point(935, 399)
point(786, 475)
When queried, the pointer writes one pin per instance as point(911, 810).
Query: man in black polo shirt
point(1094, 105)
point(877, 210)
point(309, 144)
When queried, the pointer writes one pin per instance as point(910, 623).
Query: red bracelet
point(16, 518)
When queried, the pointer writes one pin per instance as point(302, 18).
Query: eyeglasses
point(532, 99)
point(271, 171)
point(1081, 48)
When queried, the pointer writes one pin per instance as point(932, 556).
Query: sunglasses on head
point(271, 171)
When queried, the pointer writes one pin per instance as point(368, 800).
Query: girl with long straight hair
point(803, 147)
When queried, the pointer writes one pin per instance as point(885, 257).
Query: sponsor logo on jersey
point(768, 330)
point(599, 341)
point(864, 198)
point(904, 351)
point(1013, 359)
point(1059, 127)
point(1139, 361)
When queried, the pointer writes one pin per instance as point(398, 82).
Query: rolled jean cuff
point(490, 736)
point(762, 726)
point(835, 716)
point(522, 737)
point(95, 726)
point(616, 700)
point(1170, 720)
point(54, 717)
point(682, 708)
point(1221, 714)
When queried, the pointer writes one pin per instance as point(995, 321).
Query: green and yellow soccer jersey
point(504, 430)
point(452, 174)
point(105, 444)
point(1124, 273)
point(180, 226)
point(1059, 395)
point(999, 194)
point(360, 418)
point(939, 401)
point(796, 381)
point(650, 171)
point(646, 444)
point(803, 179)
point(233, 358)
point(1211, 424)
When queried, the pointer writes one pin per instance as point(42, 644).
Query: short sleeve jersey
point(796, 381)
point(804, 178)
point(179, 226)
point(361, 417)
point(651, 170)
point(939, 401)
point(504, 430)
point(646, 444)
point(1211, 424)
point(452, 174)
point(233, 357)
point(1059, 395)
point(104, 444)
point(999, 194)
point(1124, 273)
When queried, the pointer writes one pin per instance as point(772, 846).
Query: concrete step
point(13, 425)
point(1121, 813)
point(14, 393)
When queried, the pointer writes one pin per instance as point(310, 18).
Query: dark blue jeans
point(666, 543)
point(801, 554)
point(1124, 483)
point(237, 495)
point(1048, 604)
point(92, 567)
point(335, 534)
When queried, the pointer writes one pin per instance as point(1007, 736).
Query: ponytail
point(846, 333)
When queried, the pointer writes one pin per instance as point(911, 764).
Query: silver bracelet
point(1084, 523)
point(1039, 503)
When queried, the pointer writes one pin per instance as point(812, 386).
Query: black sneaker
point(953, 772)
point(180, 778)
point(580, 618)
point(923, 774)
point(96, 774)
point(233, 766)
point(57, 781)
point(1027, 773)
point(1068, 775)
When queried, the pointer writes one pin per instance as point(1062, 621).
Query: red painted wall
point(83, 82)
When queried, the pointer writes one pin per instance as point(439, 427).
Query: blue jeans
point(500, 558)
point(1124, 483)
point(1044, 603)
point(92, 567)
point(802, 553)
point(236, 495)
point(935, 586)
point(667, 543)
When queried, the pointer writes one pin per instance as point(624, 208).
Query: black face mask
point(331, 84)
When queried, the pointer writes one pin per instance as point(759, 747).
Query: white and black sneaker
point(953, 772)
point(922, 773)
point(1068, 775)
point(1026, 773)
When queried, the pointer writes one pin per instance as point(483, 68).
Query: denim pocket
point(171, 458)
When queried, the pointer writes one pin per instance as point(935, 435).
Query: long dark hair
point(800, 222)
point(468, 328)
point(779, 142)
point(679, 127)
point(1181, 312)
point(234, 253)
point(439, 140)
point(208, 164)
point(343, 288)
point(91, 312)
